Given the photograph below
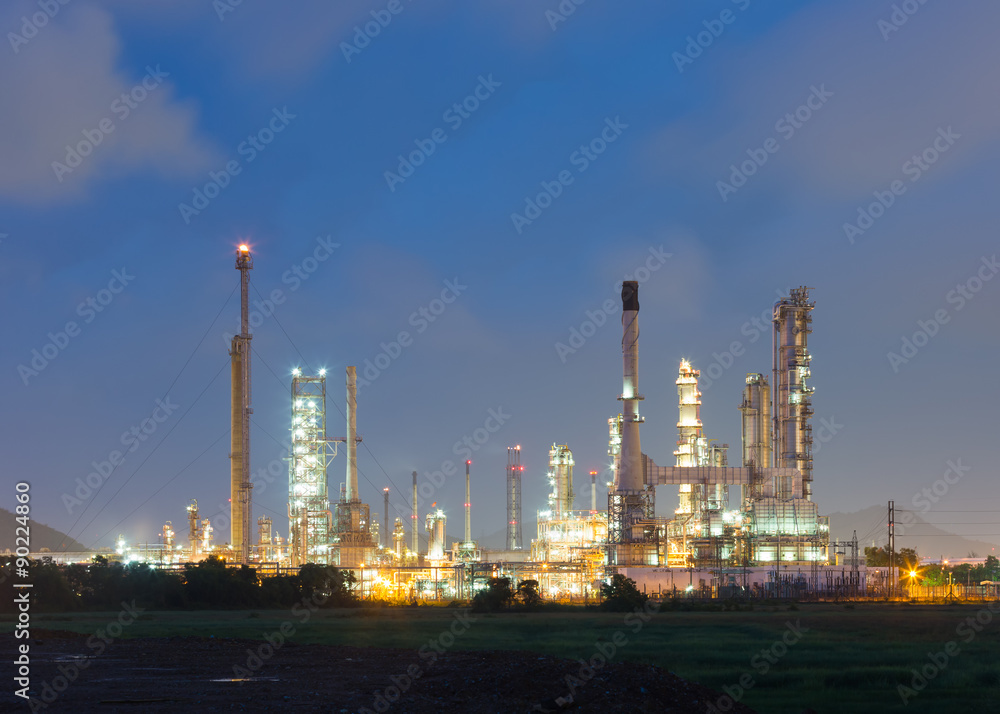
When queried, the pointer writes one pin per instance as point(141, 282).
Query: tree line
point(209, 584)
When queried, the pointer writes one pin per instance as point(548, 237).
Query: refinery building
point(749, 527)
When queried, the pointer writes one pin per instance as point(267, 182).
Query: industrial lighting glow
point(322, 373)
point(244, 248)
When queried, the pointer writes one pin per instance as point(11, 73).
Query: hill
point(928, 540)
point(42, 536)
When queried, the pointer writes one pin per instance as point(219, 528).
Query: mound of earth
point(204, 674)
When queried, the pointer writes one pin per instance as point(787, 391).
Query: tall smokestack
point(628, 477)
point(593, 491)
point(239, 454)
point(468, 505)
point(415, 543)
point(352, 434)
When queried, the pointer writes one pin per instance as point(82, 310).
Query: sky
point(482, 177)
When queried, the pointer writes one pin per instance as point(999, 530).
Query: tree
point(528, 595)
point(621, 594)
point(905, 558)
point(497, 595)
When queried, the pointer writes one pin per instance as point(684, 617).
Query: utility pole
point(892, 549)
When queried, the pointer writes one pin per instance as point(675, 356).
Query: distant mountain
point(41, 535)
point(928, 540)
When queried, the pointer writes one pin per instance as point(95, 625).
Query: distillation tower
point(792, 395)
point(561, 480)
point(309, 518)
point(240, 486)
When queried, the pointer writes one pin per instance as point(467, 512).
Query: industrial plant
point(750, 528)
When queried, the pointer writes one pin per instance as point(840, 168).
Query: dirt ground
point(196, 674)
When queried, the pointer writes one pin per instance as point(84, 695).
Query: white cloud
point(64, 81)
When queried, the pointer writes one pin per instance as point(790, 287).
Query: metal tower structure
point(561, 480)
point(309, 519)
point(239, 477)
point(468, 504)
point(791, 394)
point(691, 443)
point(194, 525)
point(352, 530)
point(757, 438)
point(385, 524)
point(414, 538)
point(514, 470)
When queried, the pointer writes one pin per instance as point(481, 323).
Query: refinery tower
point(239, 455)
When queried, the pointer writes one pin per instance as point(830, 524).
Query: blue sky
point(879, 97)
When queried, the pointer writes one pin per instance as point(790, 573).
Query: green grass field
point(848, 659)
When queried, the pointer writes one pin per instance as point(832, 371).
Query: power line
point(155, 448)
point(166, 394)
point(168, 482)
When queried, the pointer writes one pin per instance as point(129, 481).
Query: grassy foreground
point(847, 659)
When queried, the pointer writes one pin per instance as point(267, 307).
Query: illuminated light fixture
point(322, 373)
point(296, 371)
point(244, 248)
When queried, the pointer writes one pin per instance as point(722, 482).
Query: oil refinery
point(749, 528)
